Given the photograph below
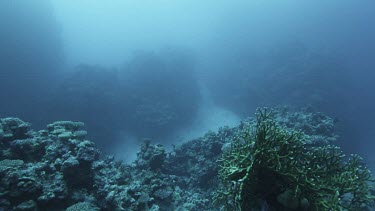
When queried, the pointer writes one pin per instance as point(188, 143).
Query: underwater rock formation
point(87, 94)
point(308, 77)
point(161, 92)
point(150, 96)
point(58, 169)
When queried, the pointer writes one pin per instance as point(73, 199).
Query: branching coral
point(269, 166)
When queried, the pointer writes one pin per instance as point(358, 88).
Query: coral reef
point(317, 127)
point(269, 164)
point(59, 169)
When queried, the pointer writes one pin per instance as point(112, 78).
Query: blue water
point(171, 70)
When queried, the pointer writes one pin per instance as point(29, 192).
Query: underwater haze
point(229, 53)
point(168, 72)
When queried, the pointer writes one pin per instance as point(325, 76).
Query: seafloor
point(58, 169)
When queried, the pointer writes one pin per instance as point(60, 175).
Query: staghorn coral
point(269, 165)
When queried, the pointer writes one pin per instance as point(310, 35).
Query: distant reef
point(150, 95)
point(254, 166)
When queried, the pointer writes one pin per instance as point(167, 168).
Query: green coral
point(269, 165)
